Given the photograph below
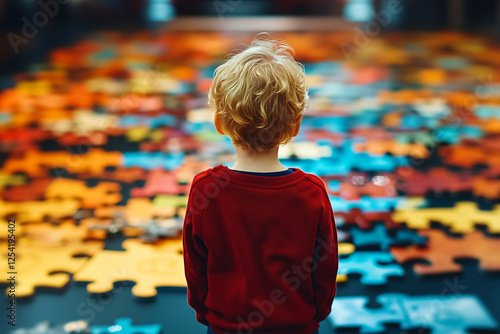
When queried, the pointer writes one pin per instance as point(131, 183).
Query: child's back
point(260, 250)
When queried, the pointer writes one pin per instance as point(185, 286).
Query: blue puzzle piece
point(450, 314)
point(367, 265)
point(453, 63)
point(366, 204)
point(453, 314)
point(151, 122)
point(412, 122)
point(452, 135)
point(380, 237)
point(487, 111)
point(152, 160)
point(124, 326)
point(351, 312)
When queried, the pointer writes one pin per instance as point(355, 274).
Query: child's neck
point(257, 162)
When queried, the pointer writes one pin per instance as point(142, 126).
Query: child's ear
point(217, 124)
point(297, 125)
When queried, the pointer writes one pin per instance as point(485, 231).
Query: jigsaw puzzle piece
point(35, 163)
point(150, 266)
point(379, 236)
point(442, 314)
point(124, 326)
point(104, 193)
point(367, 265)
point(153, 160)
point(160, 182)
point(441, 251)
point(379, 147)
point(344, 249)
point(11, 180)
point(364, 220)
point(486, 188)
point(121, 174)
point(33, 191)
point(36, 211)
point(436, 179)
point(352, 312)
point(356, 185)
point(38, 263)
point(66, 232)
point(460, 219)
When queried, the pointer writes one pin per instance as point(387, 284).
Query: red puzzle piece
point(33, 191)
point(159, 182)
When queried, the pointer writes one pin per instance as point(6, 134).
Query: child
point(260, 240)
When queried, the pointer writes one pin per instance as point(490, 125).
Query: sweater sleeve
point(326, 258)
point(195, 255)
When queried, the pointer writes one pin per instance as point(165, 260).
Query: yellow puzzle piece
point(34, 264)
point(461, 219)
point(150, 266)
point(344, 249)
point(36, 211)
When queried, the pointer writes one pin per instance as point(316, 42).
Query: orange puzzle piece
point(35, 163)
point(442, 250)
point(104, 193)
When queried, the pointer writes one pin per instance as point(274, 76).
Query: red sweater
point(260, 253)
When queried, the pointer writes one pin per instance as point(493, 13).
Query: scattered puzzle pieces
point(104, 193)
point(441, 251)
point(36, 211)
point(379, 147)
point(36, 164)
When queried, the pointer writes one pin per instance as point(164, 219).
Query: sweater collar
point(232, 176)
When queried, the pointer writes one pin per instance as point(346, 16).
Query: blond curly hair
point(259, 94)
